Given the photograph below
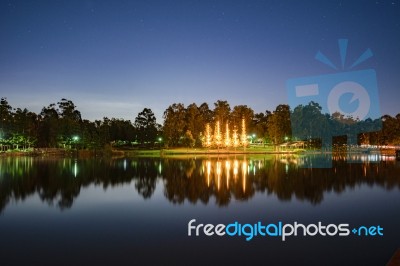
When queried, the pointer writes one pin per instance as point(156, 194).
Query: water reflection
point(59, 181)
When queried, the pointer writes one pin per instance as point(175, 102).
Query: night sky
point(114, 58)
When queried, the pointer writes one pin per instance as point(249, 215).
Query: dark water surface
point(135, 211)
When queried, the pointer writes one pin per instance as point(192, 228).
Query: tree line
point(61, 125)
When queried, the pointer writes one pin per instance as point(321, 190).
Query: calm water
point(135, 211)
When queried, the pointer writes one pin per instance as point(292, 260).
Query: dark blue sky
point(113, 58)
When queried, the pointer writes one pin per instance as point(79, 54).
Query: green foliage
point(174, 123)
point(195, 123)
point(57, 125)
point(279, 126)
point(188, 140)
point(222, 111)
point(146, 127)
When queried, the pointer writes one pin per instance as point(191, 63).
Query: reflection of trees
point(145, 175)
point(201, 187)
point(180, 186)
point(59, 181)
point(271, 176)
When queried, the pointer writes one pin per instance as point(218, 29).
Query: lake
point(135, 211)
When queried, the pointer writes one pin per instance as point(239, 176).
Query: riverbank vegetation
point(62, 126)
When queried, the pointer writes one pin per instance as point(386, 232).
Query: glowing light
point(218, 174)
point(244, 172)
point(243, 136)
point(218, 137)
point(228, 169)
point(208, 163)
point(75, 169)
point(208, 135)
point(235, 168)
point(225, 139)
point(227, 136)
point(235, 138)
point(159, 168)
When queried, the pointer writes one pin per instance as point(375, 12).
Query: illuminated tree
point(235, 138)
point(207, 136)
point(217, 134)
point(227, 136)
point(243, 136)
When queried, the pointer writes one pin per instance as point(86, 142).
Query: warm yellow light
point(244, 172)
point(219, 138)
point(235, 138)
point(227, 136)
point(228, 169)
point(208, 163)
point(218, 174)
point(243, 136)
point(235, 168)
point(208, 135)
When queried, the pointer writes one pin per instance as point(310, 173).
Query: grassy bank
point(57, 152)
point(203, 151)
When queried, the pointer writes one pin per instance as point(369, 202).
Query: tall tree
point(222, 111)
point(5, 117)
point(121, 131)
point(146, 126)
point(69, 121)
point(194, 122)
point(261, 125)
point(174, 123)
point(390, 133)
point(240, 112)
point(49, 126)
point(279, 124)
point(205, 112)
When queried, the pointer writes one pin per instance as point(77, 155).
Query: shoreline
point(59, 152)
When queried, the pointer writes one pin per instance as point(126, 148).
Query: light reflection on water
point(194, 179)
point(112, 207)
